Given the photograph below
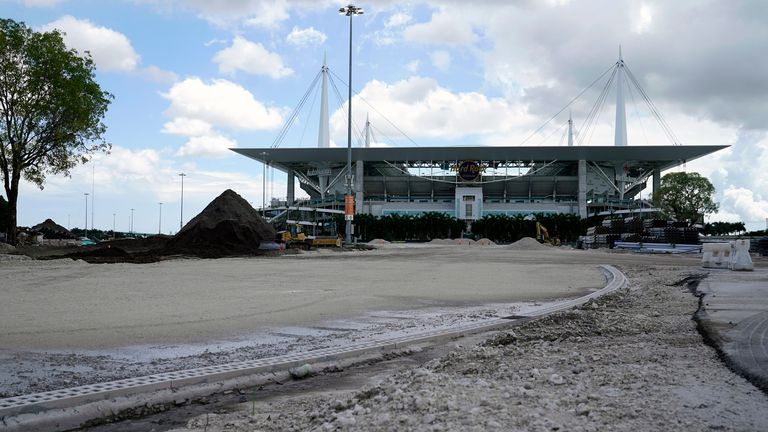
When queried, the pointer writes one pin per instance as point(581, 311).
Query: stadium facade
point(474, 181)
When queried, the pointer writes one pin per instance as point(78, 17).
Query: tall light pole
point(130, 228)
point(349, 200)
point(93, 191)
point(114, 215)
point(181, 216)
point(160, 220)
point(86, 214)
point(264, 184)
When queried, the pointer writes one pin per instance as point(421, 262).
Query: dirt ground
point(632, 361)
point(68, 323)
point(72, 305)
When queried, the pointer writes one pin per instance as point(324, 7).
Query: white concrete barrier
point(716, 255)
point(740, 259)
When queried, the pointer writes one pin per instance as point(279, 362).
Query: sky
point(193, 78)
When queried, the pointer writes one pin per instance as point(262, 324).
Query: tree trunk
point(13, 196)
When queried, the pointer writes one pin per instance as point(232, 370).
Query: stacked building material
point(637, 229)
point(762, 246)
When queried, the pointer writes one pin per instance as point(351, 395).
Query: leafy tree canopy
point(51, 109)
point(685, 196)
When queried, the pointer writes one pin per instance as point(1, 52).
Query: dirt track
point(63, 304)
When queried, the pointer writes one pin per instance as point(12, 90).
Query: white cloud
point(441, 60)
point(412, 66)
point(643, 18)
point(425, 109)
point(208, 146)
point(252, 58)
point(215, 41)
point(158, 75)
point(220, 103)
point(111, 50)
point(750, 206)
point(267, 14)
point(307, 36)
point(398, 19)
point(443, 28)
point(187, 127)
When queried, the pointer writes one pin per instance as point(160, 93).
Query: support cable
point(654, 110)
point(292, 118)
point(637, 112)
point(589, 122)
point(377, 111)
point(568, 104)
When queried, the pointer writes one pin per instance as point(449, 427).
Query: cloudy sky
point(192, 78)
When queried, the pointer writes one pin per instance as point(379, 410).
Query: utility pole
point(264, 184)
point(114, 215)
point(93, 191)
point(181, 216)
point(130, 229)
point(349, 199)
point(86, 214)
point(160, 220)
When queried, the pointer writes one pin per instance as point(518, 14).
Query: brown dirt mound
point(227, 226)
point(528, 243)
point(485, 242)
point(52, 230)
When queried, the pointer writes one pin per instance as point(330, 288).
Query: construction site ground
point(630, 361)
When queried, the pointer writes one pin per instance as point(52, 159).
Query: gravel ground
point(632, 361)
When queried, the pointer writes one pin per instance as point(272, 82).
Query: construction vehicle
point(294, 237)
point(542, 235)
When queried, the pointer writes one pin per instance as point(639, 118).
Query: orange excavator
point(542, 235)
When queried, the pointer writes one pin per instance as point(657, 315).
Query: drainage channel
point(69, 408)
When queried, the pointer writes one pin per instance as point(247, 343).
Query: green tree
point(685, 196)
point(51, 109)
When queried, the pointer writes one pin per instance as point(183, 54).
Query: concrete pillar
point(582, 189)
point(359, 187)
point(291, 189)
point(656, 180)
point(323, 180)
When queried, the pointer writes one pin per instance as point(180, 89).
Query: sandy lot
point(631, 361)
point(63, 304)
point(67, 323)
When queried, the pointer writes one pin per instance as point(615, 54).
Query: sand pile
point(227, 226)
point(528, 243)
point(445, 241)
point(485, 242)
point(52, 230)
point(378, 241)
